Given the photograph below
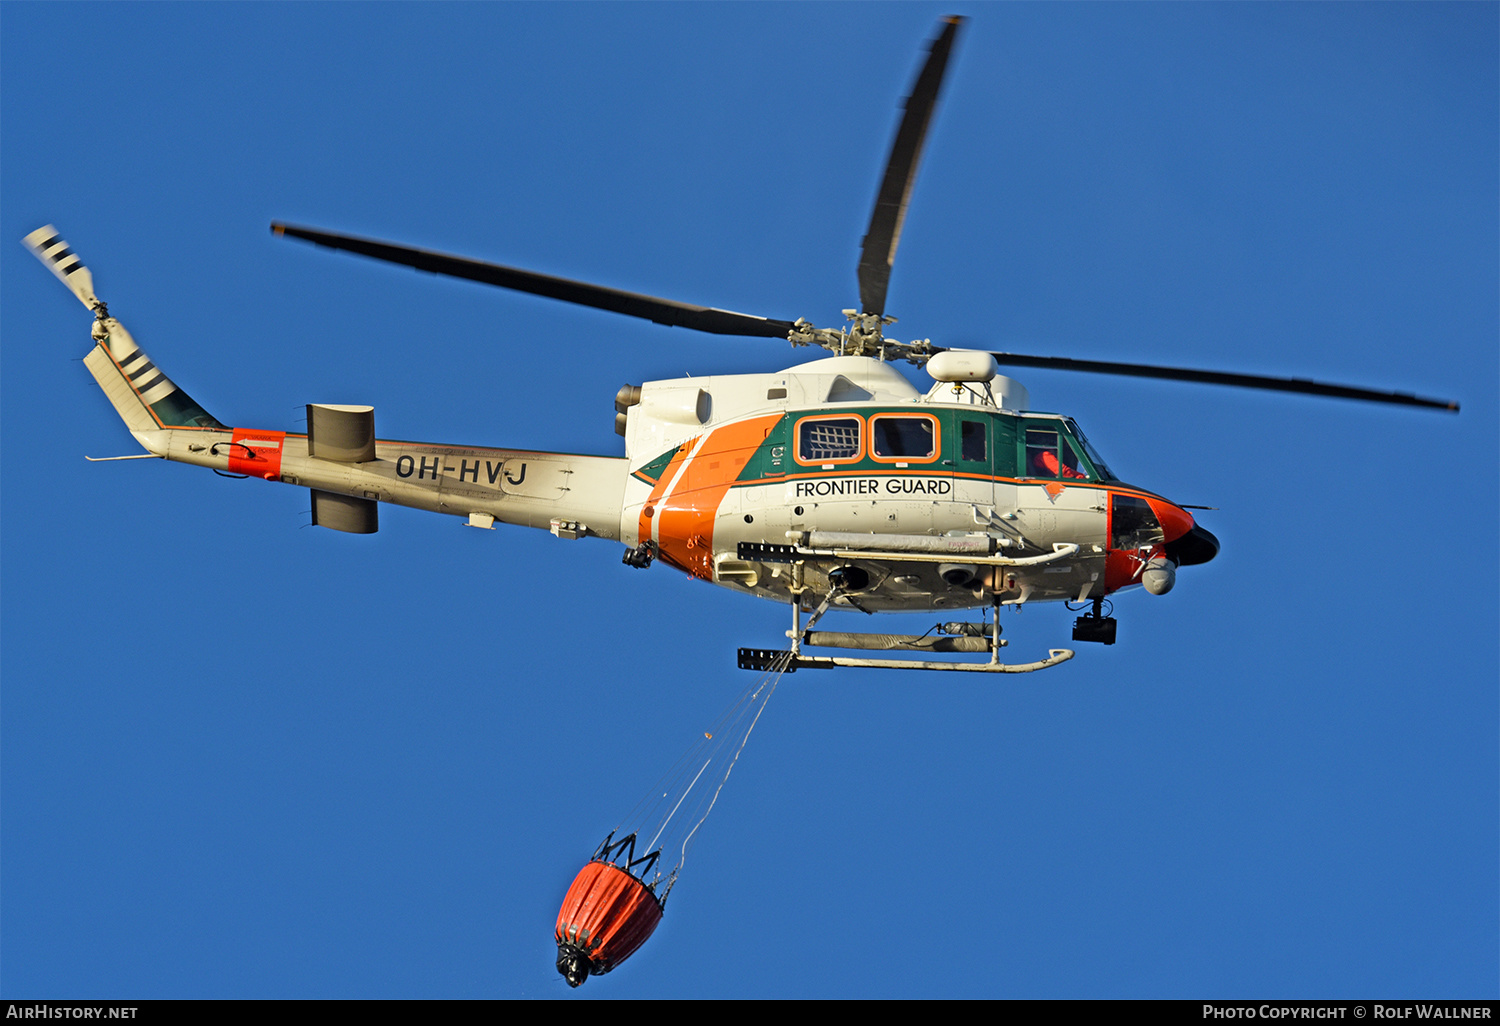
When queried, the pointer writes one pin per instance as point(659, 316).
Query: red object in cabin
point(1046, 463)
point(607, 915)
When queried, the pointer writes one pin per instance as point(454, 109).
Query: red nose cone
point(1175, 522)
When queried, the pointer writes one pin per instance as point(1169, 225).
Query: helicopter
point(829, 484)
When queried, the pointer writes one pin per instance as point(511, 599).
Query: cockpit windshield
point(1089, 451)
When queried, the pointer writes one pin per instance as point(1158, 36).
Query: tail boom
point(513, 486)
point(347, 468)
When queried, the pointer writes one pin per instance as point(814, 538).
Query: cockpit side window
point(1049, 455)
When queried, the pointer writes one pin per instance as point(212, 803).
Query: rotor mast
point(865, 335)
point(878, 249)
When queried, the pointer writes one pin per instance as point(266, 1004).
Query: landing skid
point(763, 659)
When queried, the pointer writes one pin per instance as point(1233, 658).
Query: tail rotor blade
point(879, 250)
point(52, 250)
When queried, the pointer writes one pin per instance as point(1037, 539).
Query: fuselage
point(846, 453)
point(776, 485)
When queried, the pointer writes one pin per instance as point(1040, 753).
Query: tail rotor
point(53, 250)
point(145, 398)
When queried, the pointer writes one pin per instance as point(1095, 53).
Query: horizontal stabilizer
point(346, 513)
point(343, 434)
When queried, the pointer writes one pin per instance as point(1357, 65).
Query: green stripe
point(652, 471)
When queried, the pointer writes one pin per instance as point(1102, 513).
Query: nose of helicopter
point(1175, 521)
point(1187, 543)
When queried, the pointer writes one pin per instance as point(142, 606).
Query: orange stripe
point(685, 519)
point(648, 511)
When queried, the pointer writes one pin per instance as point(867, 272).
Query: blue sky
point(244, 759)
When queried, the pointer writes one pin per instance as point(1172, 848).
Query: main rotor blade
point(878, 252)
point(1203, 377)
point(633, 304)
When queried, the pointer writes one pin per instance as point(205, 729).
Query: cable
point(665, 811)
